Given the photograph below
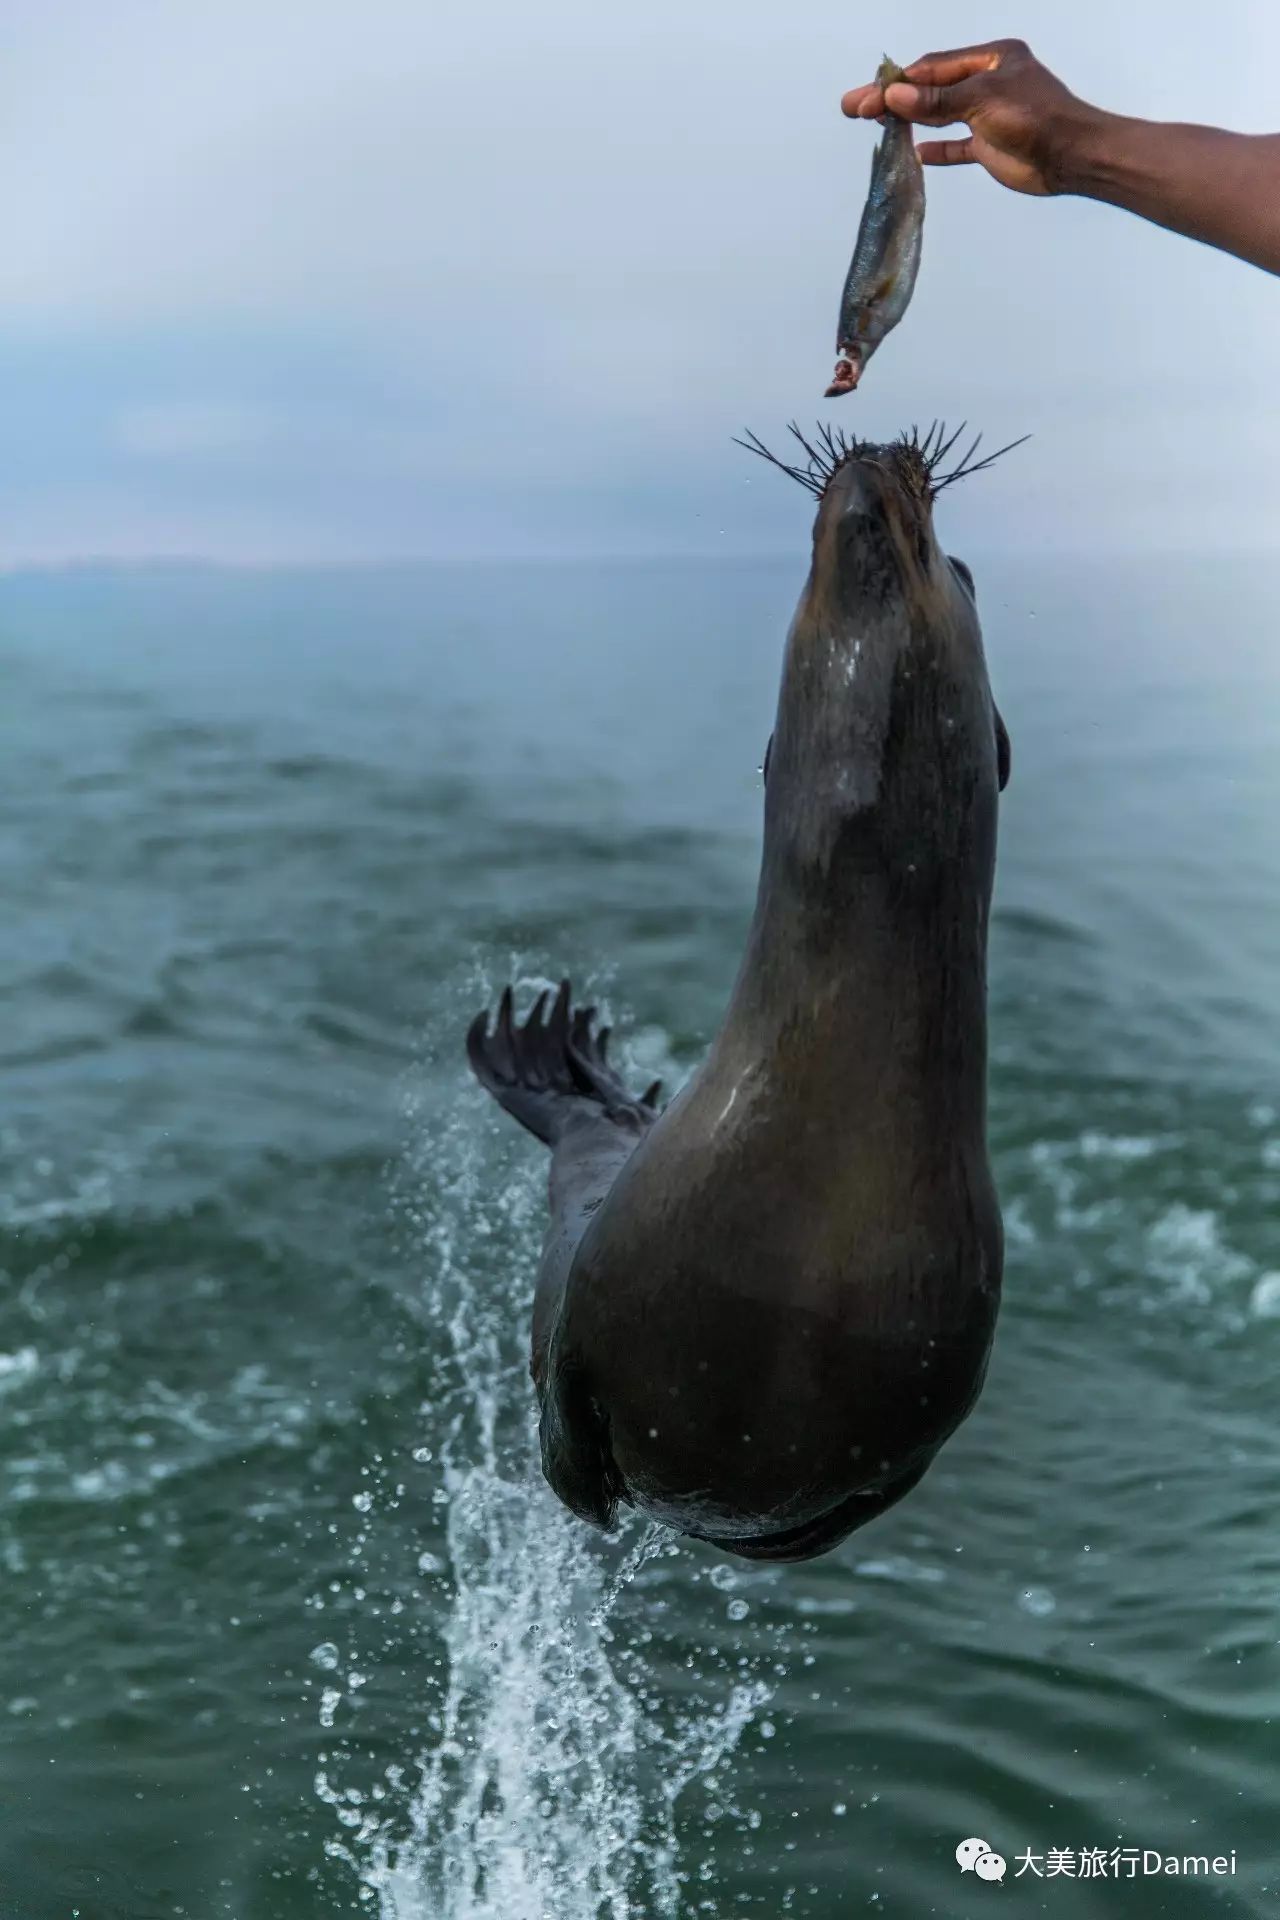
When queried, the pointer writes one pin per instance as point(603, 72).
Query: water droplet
point(325, 1655)
point(362, 1502)
point(1265, 1298)
point(737, 1609)
point(1037, 1601)
point(723, 1578)
point(423, 1453)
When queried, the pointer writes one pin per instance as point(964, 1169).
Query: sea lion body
point(763, 1313)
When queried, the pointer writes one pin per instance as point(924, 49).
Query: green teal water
point(290, 1626)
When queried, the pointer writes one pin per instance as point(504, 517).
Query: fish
point(886, 254)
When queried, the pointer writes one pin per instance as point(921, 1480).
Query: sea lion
point(760, 1313)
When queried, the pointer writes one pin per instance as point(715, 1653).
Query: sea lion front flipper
point(1004, 752)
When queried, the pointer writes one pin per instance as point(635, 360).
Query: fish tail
point(896, 140)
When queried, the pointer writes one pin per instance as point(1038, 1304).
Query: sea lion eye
point(966, 578)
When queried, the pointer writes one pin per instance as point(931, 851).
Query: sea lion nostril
point(858, 513)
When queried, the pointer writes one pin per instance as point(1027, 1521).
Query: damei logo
point(976, 1856)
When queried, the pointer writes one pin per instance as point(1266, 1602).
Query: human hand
point(1025, 127)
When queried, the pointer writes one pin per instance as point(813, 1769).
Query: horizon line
point(194, 562)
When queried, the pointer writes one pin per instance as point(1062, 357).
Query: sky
point(420, 278)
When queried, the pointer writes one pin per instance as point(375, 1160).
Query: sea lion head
point(887, 736)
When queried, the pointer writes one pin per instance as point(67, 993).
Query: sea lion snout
point(859, 503)
point(873, 539)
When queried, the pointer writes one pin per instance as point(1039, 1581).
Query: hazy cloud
point(427, 278)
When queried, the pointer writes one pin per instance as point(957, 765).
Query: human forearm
point(1033, 135)
point(1219, 187)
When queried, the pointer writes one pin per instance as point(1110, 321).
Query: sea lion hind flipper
point(552, 1066)
point(577, 1460)
point(827, 1530)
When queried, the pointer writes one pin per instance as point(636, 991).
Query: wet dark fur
point(760, 1313)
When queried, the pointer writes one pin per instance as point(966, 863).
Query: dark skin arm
point(1032, 134)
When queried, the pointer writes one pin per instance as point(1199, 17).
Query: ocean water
point(289, 1626)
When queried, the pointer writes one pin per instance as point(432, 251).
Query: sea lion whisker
point(939, 442)
point(818, 462)
point(962, 465)
point(836, 443)
point(968, 465)
point(754, 444)
point(933, 441)
point(831, 447)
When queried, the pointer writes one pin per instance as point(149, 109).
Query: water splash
point(549, 1786)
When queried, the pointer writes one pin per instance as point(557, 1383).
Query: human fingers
point(864, 103)
point(946, 153)
point(936, 72)
point(960, 63)
point(933, 106)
